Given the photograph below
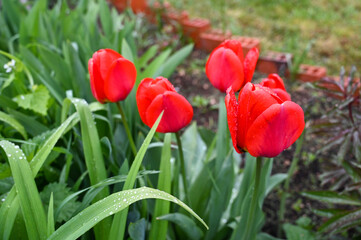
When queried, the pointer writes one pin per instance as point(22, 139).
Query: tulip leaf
point(173, 61)
point(10, 206)
point(118, 226)
point(297, 233)
point(13, 123)
point(108, 206)
point(159, 228)
point(36, 101)
point(29, 198)
point(187, 224)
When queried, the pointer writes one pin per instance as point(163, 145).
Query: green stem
point(126, 127)
point(250, 223)
point(183, 169)
point(291, 170)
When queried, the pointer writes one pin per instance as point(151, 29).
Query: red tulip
point(261, 122)
point(276, 84)
point(155, 95)
point(225, 66)
point(112, 77)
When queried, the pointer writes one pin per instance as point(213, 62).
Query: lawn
point(332, 28)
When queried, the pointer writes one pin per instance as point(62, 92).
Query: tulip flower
point(261, 122)
point(155, 95)
point(275, 82)
point(226, 67)
point(112, 77)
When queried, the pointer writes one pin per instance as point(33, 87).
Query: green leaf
point(127, 51)
point(266, 236)
point(188, 226)
point(29, 197)
point(159, 228)
point(51, 225)
point(118, 226)
point(5, 172)
point(105, 18)
point(137, 229)
point(10, 206)
point(151, 69)
point(274, 181)
point(297, 233)
point(173, 61)
point(93, 156)
point(331, 197)
point(114, 203)
point(341, 221)
point(6, 184)
point(149, 54)
point(13, 123)
point(59, 192)
point(36, 101)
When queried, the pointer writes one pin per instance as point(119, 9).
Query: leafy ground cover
point(331, 28)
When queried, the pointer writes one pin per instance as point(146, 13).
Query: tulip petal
point(250, 63)
point(96, 82)
point(276, 84)
point(232, 112)
point(120, 80)
point(273, 81)
point(275, 129)
point(178, 112)
point(103, 58)
point(253, 101)
point(148, 89)
point(224, 69)
point(235, 46)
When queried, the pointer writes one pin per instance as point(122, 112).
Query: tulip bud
point(226, 67)
point(112, 77)
point(155, 95)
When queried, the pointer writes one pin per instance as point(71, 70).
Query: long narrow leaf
point(159, 228)
point(93, 156)
point(118, 226)
point(114, 203)
point(13, 123)
point(29, 197)
point(11, 202)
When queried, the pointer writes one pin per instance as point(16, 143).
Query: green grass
point(289, 26)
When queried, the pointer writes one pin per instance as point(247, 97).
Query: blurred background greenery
point(331, 26)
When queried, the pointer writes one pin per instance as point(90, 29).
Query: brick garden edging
point(206, 38)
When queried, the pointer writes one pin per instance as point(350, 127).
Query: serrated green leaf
point(59, 191)
point(36, 101)
point(114, 203)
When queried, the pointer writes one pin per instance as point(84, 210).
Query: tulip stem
point(126, 127)
point(182, 165)
point(250, 222)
